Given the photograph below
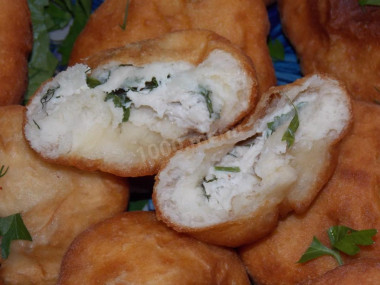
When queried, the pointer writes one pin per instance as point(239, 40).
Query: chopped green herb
point(214, 178)
point(36, 124)
point(289, 135)
point(279, 120)
point(12, 228)
point(150, 85)
point(2, 172)
point(227, 168)
point(48, 96)
point(342, 238)
point(124, 25)
point(203, 187)
point(92, 82)
point(276, 49)
point(369, 2)
point(120, 100)
point(206, 94)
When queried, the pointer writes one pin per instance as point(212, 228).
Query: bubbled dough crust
point(134, 248)
point(56, 203)
point(15, 46)
point(350, 198)
point(337, 37)
point(192, 46)
point(257, 224)
point(244, 22)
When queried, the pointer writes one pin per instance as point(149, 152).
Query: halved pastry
point(128, 108)
point(231, 189)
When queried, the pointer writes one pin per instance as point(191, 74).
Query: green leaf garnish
point(227, 168)
point(317, 249)
point(124, 25)
point(369, 2)
point(12, 228)
point(120, 100)
point(342, 238)
point(276, 49)
point(346, 239)
point(48, 16)
point(80, 12)
point(206, 94)
point(92, 82)
point(2, 172)
point(42, 62)
point(289, 135)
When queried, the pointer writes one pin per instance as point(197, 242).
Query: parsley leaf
point(80, 12)
point(369, 2)
point(346, 239)
point(342, 238)
point(12, 228)
point(317, 249)
point(42, 62)
point(120, 100)
point(276, 49)
point(48, 16)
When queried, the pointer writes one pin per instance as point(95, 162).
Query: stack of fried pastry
point(338, 37)
point(118, 22)
point(153, 78)
point(56, 203)
point(15, 46)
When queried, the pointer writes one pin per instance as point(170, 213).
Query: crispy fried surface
point(134, 248)
point(362, 271)
point(351, 198)
point(244, 22)
point(15, 46)
point(56, 204)
point(337, 37)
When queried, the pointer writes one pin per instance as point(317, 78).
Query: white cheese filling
point(172, 99)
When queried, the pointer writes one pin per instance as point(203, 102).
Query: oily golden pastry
point(134, 248)
point(15, 45)
point(351, 198)
point(150, 98)
point(231, 189)
point(362, 271)
point(337, 37)
point(244, 22)
point(56, 204)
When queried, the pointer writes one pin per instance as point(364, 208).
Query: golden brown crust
point(134, 248)
point(56, 204)
point(361, 271)
point(262, 221)
point(15, 46)
point(191, 46)
point(339, 38)
point(244, 22)
point(350, 198)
